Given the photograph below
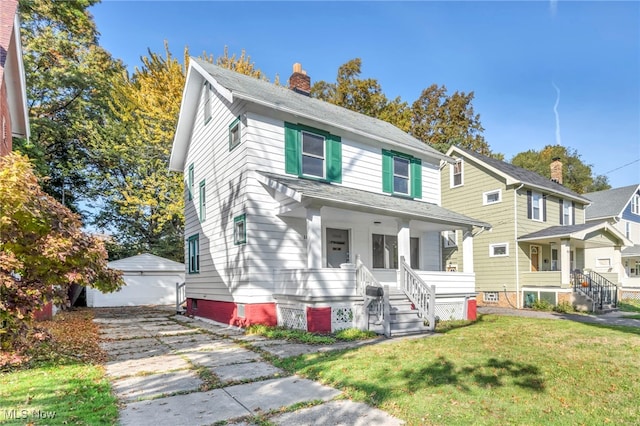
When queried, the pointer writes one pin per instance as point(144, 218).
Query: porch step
point(404, 320)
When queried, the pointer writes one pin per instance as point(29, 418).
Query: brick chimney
point(299, 81)
point(556, 170)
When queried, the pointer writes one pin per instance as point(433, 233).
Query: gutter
point(517, 247)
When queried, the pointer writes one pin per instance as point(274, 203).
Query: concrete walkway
point(168, 369)
point(610, 318)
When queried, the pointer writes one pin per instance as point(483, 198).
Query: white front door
point(337, 247)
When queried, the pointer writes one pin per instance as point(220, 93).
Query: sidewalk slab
point(235, 355)
point(246, 371)
point(277, 393)
point(157, 364)
point(346, 413)
point(145, 387)
point(194, 409)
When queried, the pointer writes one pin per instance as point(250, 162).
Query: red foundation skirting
point(227, 312)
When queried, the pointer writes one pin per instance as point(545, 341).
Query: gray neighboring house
point(621, 208)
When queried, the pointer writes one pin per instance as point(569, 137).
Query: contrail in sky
point(555, 111)
point(553, 6)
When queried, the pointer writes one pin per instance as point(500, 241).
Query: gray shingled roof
point(255, 90)
point(557, 231)
point(609, 203)
point(633, 251)
point(525, 176)
point(341, 196)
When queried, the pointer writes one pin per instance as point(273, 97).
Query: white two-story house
point(294, 205)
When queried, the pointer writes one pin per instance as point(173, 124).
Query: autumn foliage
point(43, 251)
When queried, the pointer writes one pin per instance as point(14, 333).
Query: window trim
point(453, 173)
point(190, 181)
point(492, 248)
point(311, 155)
point(568, 210)
point(542, 205)
point(485, 195)
point(202, 200)
point(235, 124)
point(395, 259)
point(332, 169)
point(491, 299)
point(407, 177)
point(240, 239)
point(193, 244)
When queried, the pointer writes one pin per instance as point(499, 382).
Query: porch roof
point(633, 251)
point(575, 232)
point(326, 194)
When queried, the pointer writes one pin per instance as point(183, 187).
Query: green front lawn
point(502, 370)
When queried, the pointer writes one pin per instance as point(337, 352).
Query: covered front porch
point(351, 232)
point(583, 258)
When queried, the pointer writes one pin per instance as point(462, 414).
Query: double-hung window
point(312, 153)
point(536, 206)
point(567, 213)
point(190, 179)
point(194, 254)
point(240, 229)
point(456, 174)
point(207, 102)
point(234, 133)
point(635, 204)
point(401, 174)
point(203, 201)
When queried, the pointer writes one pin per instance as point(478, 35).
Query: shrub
point(541, 305)
point(564, 308)
point(351, 334)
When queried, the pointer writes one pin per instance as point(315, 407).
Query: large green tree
point(577, 175)
point(138, 200)
point(436, 118)
point(68, 76)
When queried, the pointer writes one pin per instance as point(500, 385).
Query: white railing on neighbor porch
point(422, 296)
point(181, 296)
point(378, 306)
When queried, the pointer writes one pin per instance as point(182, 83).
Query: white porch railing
point(421, 295)
point(181, 296)
point(379, 306)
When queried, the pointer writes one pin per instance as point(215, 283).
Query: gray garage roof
point(282, 98)
point(355, 199)
point(609, 203)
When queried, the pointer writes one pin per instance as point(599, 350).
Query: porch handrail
point(598, 288)
point(422, 295)
point(364, 279)
point(181, 295)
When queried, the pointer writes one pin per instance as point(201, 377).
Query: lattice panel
point(291, 317)
point(341, 317)
point(630, 295)
point(450, 311)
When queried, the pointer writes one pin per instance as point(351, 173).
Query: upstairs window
point(207, 102)
point(401, 174)
point(567, 215)
point(190, 179)
point(203, 201)
point(240, 229)
point(456, 174)
point(312, 153)
point(234, 133)
point(491, 197)
point(536, 206)
point(635, 204)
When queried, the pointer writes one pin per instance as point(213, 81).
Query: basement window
point(491, 296)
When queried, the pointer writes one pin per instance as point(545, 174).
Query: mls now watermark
point(28, 414)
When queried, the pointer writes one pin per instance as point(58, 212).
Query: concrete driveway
point(167, 369)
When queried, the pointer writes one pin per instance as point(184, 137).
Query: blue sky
point(510, 54)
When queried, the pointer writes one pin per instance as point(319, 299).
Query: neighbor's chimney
point(556, 170)
point(299, 81)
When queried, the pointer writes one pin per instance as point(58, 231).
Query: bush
point(351, 334)
point(564, 308)
point(541, 305)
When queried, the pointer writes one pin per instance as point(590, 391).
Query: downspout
point(517, 248)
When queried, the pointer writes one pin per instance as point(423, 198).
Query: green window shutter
point(291, 149)
point(416, 177)
point(334, 158)
point(387, 171)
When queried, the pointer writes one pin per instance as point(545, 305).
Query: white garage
point(149, 279)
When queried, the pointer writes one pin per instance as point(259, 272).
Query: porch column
point(618, 266)
point(404, 241)
point(467, 251)
point(565, 262)
point(314, 238)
